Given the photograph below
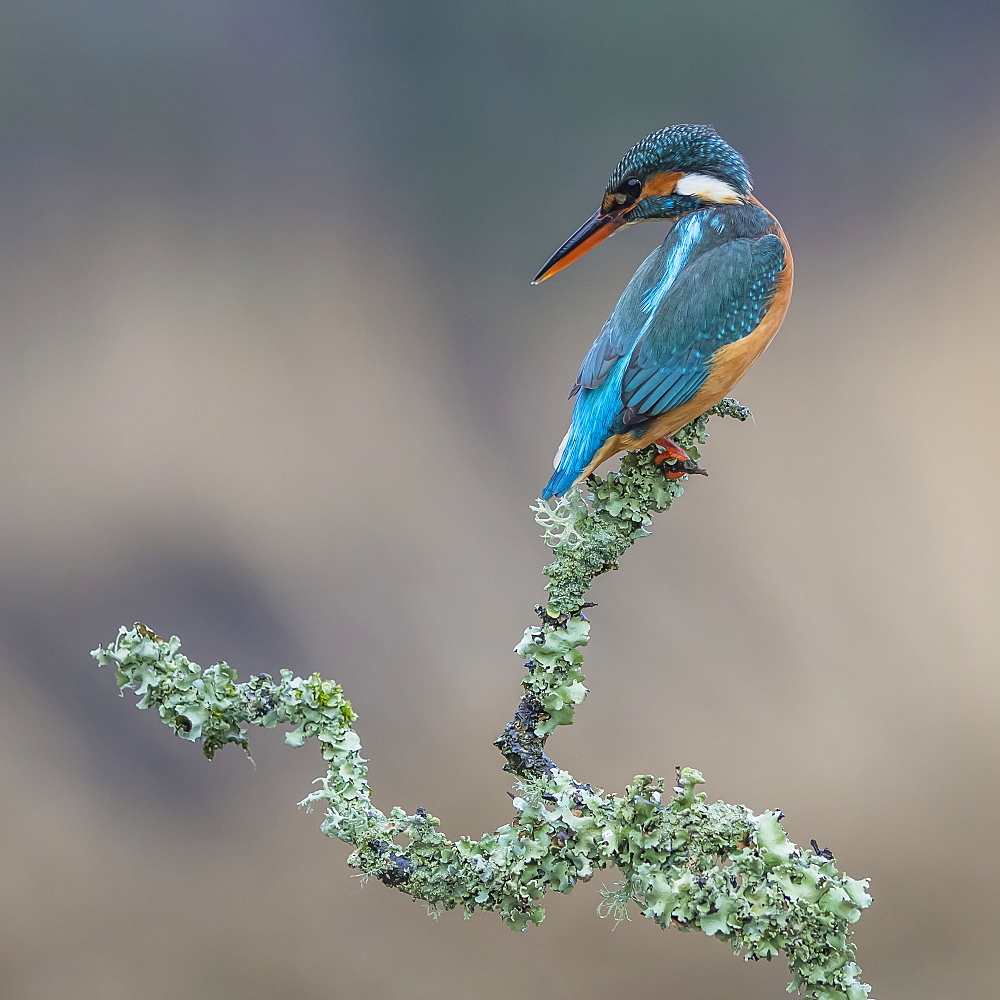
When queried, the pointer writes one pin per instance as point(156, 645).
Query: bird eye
point(629, 191)
point(627, 194)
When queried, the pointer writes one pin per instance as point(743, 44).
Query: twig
point(685, 862)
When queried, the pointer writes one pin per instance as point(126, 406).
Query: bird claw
point(675, 461)
point(677, 469)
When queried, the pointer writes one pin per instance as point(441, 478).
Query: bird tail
point(575, 453)
point(562, 479)
point(593, 416)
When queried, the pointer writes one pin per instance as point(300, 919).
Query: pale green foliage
point(685, 862)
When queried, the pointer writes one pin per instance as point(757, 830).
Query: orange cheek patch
point(661, 184)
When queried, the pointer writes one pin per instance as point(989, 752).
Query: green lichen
point(552, 653)
point(592, 526)
point(685, 862)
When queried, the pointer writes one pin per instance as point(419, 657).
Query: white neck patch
point(708, 188)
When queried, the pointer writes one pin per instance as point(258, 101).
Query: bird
point(697, 313)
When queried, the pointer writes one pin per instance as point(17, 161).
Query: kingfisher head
point(672, 172)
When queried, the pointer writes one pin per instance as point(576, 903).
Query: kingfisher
point(697, 313)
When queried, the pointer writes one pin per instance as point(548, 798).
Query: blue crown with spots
point(686, 148)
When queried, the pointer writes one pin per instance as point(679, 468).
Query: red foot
point(681, 463)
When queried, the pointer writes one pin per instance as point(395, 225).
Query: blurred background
point(274, 380)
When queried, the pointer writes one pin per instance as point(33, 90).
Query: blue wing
point(716, 300)
point(640, 301)
point(620, 332)
point(654, 352)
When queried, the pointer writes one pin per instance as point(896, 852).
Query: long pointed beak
point(595, 230)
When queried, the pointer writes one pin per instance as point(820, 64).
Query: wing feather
point(619, 333)
point(716, 300)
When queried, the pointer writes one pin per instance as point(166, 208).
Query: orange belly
point(729, 365)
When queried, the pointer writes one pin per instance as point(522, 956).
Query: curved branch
point(685, 862)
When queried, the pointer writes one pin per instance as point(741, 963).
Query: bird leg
point(681, 463)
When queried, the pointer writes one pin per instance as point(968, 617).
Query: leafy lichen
point(685, 862)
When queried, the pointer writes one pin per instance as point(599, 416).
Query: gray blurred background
point(274, 379)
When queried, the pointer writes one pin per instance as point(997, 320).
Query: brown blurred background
point(274, 379)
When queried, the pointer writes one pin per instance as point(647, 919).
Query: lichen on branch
point(685, 862)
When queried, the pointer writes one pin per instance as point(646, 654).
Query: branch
point(714, 867)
